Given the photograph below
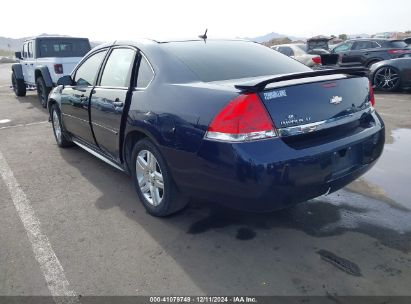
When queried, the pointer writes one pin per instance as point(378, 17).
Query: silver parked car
point(298, 52)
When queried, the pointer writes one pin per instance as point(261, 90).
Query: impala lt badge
point(336, 100)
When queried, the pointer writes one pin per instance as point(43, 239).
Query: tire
point(61, 137)
point(146, 178)
point(19, 87)
point(387, 78)
point(42, 91)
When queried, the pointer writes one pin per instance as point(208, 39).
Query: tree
point(343, 36)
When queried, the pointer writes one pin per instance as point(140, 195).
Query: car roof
point(167, 40)
point(373, 39)
point(147, 44)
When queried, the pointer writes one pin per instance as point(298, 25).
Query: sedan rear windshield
point(398, 44)
point(222, 60)
point(63, 47)
point(303, 47)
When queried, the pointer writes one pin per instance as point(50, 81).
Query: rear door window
point(88, 70)
point(117, 71)
point(365, 45)
point(25, 50)
point(361, 45)
point(343, 47)
point(30, 50)
point(374, 45)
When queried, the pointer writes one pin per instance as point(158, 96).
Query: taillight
point(372, 97)
point(397, 52)
point(316, 60)
point(58, 68)
point(242, 119)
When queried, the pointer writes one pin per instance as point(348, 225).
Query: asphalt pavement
point(71, 224)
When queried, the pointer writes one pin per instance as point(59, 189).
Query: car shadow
point(403, 91)
point(31, 100)
point(208, 240)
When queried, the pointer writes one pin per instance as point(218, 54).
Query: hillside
point(274, 35)
point(10, 44)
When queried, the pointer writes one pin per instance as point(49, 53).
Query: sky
point(121, 19)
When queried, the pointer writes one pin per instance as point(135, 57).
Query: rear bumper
point(269, 175)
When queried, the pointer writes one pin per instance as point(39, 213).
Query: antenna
point(204, 36)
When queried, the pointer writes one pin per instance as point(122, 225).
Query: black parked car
point(227, 121)
point(365, 52)
point(390, 75)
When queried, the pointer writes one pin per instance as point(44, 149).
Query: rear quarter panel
point(403, 65)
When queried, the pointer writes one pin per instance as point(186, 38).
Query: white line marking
point(52, 270)
point(2, 121)
point(24, 125)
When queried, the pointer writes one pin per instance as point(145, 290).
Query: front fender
point(54, 97)
point(17, 70)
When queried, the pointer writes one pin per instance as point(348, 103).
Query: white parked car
point(298, 52)
point(43, 60)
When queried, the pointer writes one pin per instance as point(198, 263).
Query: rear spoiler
point(259, 85)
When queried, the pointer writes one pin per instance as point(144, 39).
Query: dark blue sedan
point(225, 121)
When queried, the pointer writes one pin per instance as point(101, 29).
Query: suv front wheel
point(42, 91)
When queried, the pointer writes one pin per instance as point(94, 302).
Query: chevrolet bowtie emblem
point(336, 100)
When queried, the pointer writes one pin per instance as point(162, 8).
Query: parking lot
point(85, 218)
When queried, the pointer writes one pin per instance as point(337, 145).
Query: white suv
point(44, 60)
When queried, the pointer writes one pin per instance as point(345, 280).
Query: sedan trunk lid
point(323, 99)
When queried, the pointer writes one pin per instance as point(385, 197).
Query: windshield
point(302, 47)
point(223, 60)
point(63, 47)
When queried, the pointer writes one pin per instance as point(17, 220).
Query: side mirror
point(17, 55)
point(65, 80)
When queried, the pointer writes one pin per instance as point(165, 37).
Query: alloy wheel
point(387, 78)
point(56, 126)
point(150, 177)
point(40, 93)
